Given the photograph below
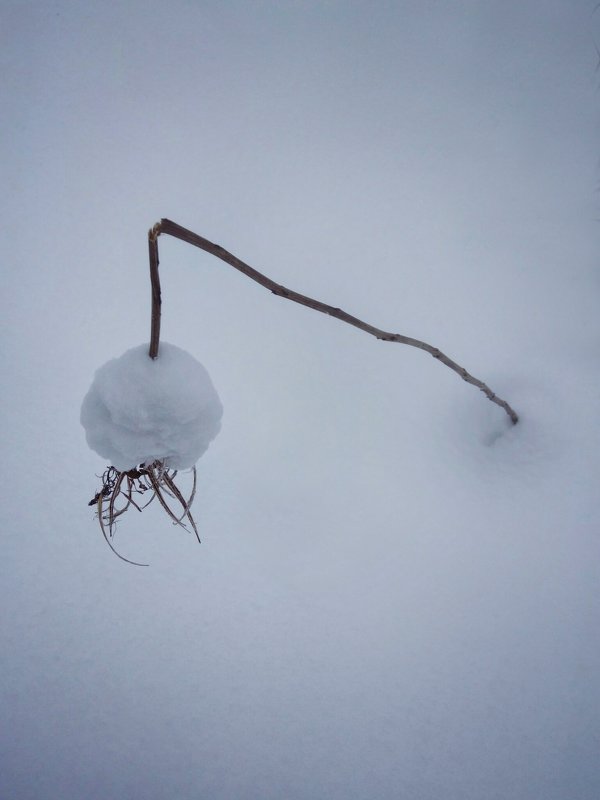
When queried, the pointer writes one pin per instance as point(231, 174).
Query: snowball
point(140, 409)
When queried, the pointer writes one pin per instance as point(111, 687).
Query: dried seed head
point(120, 490)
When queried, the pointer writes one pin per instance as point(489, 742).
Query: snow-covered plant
point(150, 417)
point(153, 414)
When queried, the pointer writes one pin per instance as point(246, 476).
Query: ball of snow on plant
point(140, 409)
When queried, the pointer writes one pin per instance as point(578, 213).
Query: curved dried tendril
point(155, 479)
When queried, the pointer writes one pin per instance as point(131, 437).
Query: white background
point(397, 594)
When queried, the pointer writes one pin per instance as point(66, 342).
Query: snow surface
point(397, 595)
point(140, 409)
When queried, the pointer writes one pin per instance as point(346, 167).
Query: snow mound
point(139, 409)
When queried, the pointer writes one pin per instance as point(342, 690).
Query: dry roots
point(154, 478)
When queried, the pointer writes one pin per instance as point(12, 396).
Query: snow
point(139, 410)
point(397, 595)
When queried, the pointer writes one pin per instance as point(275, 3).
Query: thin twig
point(173, 229)
point(155, 283)
point(186, 506)
point(107, 537)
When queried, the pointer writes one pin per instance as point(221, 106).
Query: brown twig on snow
point(173, 229)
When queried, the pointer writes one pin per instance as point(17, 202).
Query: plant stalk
point(173, 229)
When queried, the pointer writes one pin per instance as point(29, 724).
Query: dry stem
point(173, 229)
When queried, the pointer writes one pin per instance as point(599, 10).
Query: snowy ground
point(397, 593)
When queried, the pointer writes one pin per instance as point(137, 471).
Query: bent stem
point(173, 229)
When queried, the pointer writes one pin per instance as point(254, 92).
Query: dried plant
point(118, 487)
point(148, 480)
point(171, 228)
